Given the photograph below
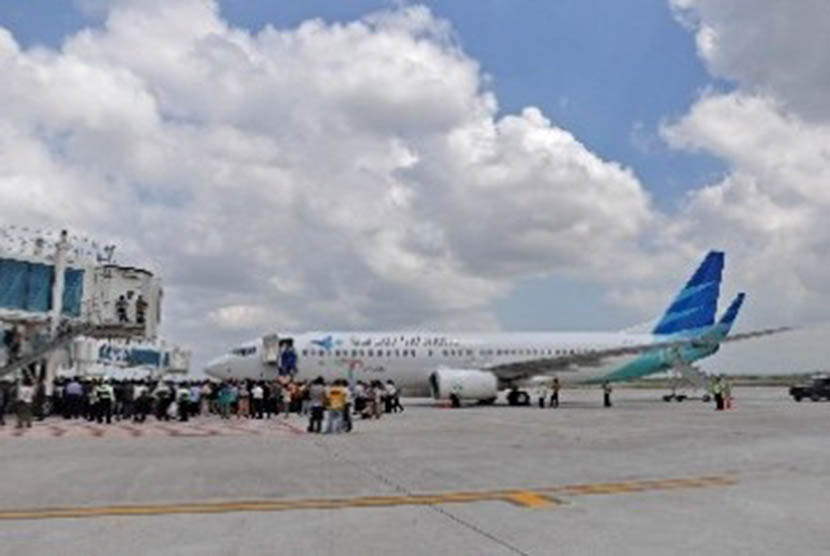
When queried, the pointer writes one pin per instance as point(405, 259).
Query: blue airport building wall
point(133, 357)
point(27, 286)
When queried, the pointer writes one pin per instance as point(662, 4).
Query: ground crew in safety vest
point(106, 397)
point(183, 401)
point(717, 392)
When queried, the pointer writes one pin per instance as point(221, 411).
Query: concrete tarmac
point(643, 477)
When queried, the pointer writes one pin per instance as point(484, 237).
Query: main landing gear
point(674, 396)
point(518, 397)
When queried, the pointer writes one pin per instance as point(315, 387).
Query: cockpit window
point(244, 351)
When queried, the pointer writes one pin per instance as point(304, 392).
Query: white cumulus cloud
point(333, 174)
point(773, 47)
point(773, 132)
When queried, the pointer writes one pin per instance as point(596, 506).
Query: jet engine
point(463, 384)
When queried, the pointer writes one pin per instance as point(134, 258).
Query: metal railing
point(65, 335)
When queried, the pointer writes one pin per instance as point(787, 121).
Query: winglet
point(728, 318)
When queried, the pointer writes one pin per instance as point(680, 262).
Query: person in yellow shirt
point(336, 404)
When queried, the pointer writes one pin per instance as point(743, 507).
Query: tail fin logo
point(696, 304)
point(326, 343)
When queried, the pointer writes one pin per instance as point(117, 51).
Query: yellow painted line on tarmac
point(539, 498)
point(531, 499)
point(643, 485)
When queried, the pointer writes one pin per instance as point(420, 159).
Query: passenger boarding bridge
point(55, 288)
point(92, 356)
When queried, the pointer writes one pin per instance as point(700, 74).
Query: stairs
point(63, 338)
point(693, 375)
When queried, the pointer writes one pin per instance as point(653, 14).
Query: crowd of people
point(330, 408)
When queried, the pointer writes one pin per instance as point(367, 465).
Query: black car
point(816, 389)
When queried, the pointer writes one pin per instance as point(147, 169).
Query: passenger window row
point(446, 353)
point(360, 353)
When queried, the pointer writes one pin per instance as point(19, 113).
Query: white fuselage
point(408, 358)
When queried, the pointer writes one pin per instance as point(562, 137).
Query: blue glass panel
point(73, 292)
point(39, 288)
point(12, 284)
point(145, 357)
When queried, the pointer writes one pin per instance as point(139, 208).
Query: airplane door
point(271, 349)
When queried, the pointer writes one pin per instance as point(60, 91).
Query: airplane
point(476, 367)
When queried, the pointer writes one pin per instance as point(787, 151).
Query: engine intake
point(463, 384)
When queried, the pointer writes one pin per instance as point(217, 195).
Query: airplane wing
point(595, 358)
point(756, 334)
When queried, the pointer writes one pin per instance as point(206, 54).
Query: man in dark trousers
point(8, 340)
point(288, 361)
point(140, 310)
point(717, 391)
point(121, 309)
point(73, 394)
point(554, 396)
point(106, 399)
point(15, 344)
point(317, 400)
point(606, 394)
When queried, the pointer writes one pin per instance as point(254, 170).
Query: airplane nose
point(218, 367)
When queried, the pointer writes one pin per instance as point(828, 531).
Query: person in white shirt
point(286, 400)
point(542, 395)
point(395, 392)
point(257, 398)
point(359, 397)
point(183, 402)
point(25, 397)
point(143, 403)
point(206, 395)
point(376, 396)
point(195, 399)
